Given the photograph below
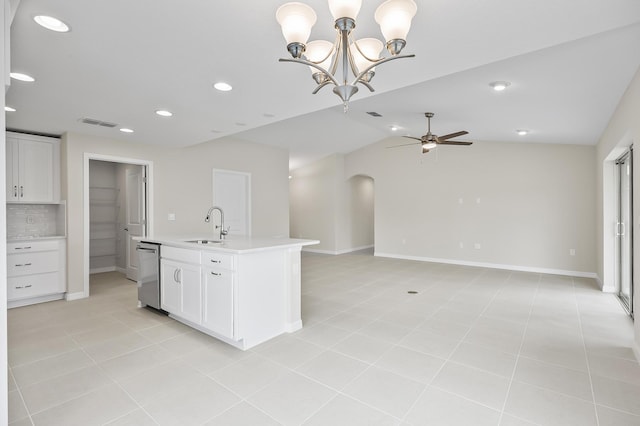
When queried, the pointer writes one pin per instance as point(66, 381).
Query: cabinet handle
point(216, 273)
point(15, 190)
point(180, 276)
point(23, 248)
point(23, 264)
point(27, 286)
point(216, 261)
point(21, 191)
point(177, 275)
point(19, 286)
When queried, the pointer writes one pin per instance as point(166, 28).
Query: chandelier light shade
point(345, 8)
point(346, 62)
point(364, 52)
point(319, 52)
point(394, 18)
point(296, 20)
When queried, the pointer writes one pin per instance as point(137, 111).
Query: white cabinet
point(218, 300)
point(32, 168)
point(181, 278)
point(35, 271)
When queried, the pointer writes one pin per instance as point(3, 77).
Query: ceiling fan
point(430, 141)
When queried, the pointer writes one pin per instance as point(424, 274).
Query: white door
point(232, 193)
point(135, 187)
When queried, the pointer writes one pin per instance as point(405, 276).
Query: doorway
point(624, 229)
point(117, 208)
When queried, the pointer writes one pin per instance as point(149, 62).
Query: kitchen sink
point(205, 242)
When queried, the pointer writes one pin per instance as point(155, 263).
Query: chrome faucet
point(223, 232)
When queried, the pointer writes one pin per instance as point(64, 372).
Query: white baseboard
point(101, 270)
point(33, 300)
point(636, 350)
point(75, 296)
point(337, 252)
point(121, 270)
point(580, 274)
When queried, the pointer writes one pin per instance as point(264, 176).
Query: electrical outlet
point(572, 252)
point(30, 220)
point(460, 201)
point(172, 216)
point(477, 246)
point(404, 241)
point(461, 245)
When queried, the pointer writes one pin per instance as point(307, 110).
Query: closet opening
point(116, 210)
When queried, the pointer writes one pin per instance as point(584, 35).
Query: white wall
point(182, 185)
point(526, 205)
point(622, 131)
point(313, 201)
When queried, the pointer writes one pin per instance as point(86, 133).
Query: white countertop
point(232, 244)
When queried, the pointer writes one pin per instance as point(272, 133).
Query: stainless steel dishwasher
point(148, 274)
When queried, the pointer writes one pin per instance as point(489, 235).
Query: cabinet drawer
point(32, 263)
point(212, 259)
point(34, 285)
point(31, 246)
point(180, 254)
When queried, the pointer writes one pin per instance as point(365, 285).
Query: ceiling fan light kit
point(358, 56)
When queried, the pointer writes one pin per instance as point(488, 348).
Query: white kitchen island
point(243, 291)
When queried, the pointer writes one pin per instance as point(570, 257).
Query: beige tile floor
point(473, 347)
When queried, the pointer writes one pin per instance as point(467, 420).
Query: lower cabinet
point(218, 301)
point(181, 289)
point(35, 271)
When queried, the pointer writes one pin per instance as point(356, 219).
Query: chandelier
point(358, 56)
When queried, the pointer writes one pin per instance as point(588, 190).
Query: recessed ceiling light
point(22, 77)
point(241, 124)
point(9, 109)
point(216, 131)
point(394, 128)
point(522, 132)
point(499, 86)
point(164, 113)
point(222, 86)
point(51, 23)
point(267, 115)
point(125, 130)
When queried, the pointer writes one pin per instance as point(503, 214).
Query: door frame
point(625, 158)
point(86, 207)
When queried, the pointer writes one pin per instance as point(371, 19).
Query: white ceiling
point(568, 65)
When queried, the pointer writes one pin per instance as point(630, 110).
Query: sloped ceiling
point(568, 66)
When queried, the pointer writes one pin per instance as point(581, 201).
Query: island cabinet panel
point(218, 301)
point(181, 289)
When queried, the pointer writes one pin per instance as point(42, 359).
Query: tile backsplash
point(32, 221)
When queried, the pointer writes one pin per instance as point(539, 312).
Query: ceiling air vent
point(374, 114)
point(95, 122)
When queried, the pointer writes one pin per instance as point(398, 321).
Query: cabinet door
point(12, 169)
point(191, 279)
point(218, 301)
point(35, 170)
point(171, 289)
point(181, 290)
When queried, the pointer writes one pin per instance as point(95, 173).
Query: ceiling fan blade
point(404, 144)
point(453, 143)
point(453, 135)
point(412, 137)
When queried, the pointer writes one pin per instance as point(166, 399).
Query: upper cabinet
point(33, 169)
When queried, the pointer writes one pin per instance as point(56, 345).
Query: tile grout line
point(524, 334)
point(584, 348)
